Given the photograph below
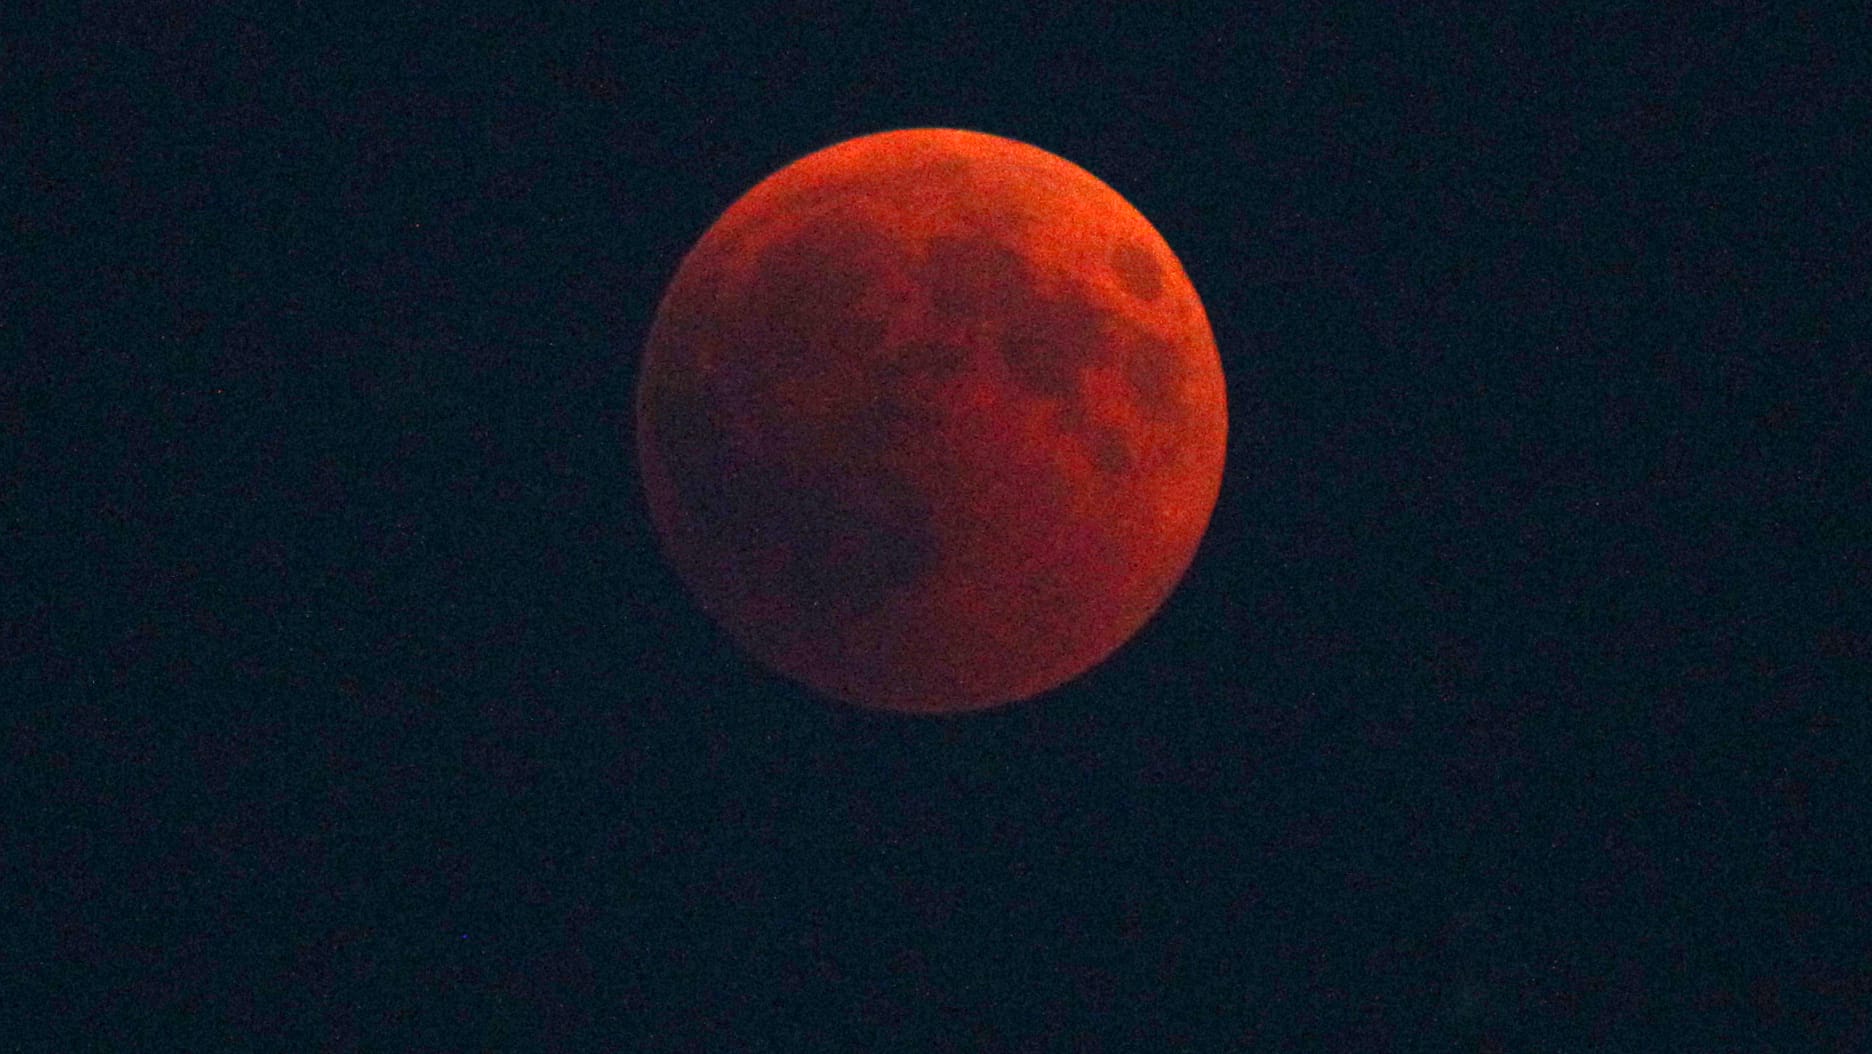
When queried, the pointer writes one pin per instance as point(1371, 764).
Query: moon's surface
point(931, 421)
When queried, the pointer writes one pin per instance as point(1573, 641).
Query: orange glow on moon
point(931, 421)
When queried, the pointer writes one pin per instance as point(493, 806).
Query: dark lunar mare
point(847, 530)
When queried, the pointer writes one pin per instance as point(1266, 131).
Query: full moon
point(931, 421)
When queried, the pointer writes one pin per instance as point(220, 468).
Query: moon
point(931, 421)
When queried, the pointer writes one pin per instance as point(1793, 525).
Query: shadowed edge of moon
point(803, 532)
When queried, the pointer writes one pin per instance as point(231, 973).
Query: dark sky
point(1515, 700)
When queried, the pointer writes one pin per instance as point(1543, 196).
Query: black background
point(1514, 701)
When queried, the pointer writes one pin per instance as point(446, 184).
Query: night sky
point(1515, 700)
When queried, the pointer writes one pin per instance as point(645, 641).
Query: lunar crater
point(1138, 271)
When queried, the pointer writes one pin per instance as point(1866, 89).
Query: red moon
point(931, 421)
